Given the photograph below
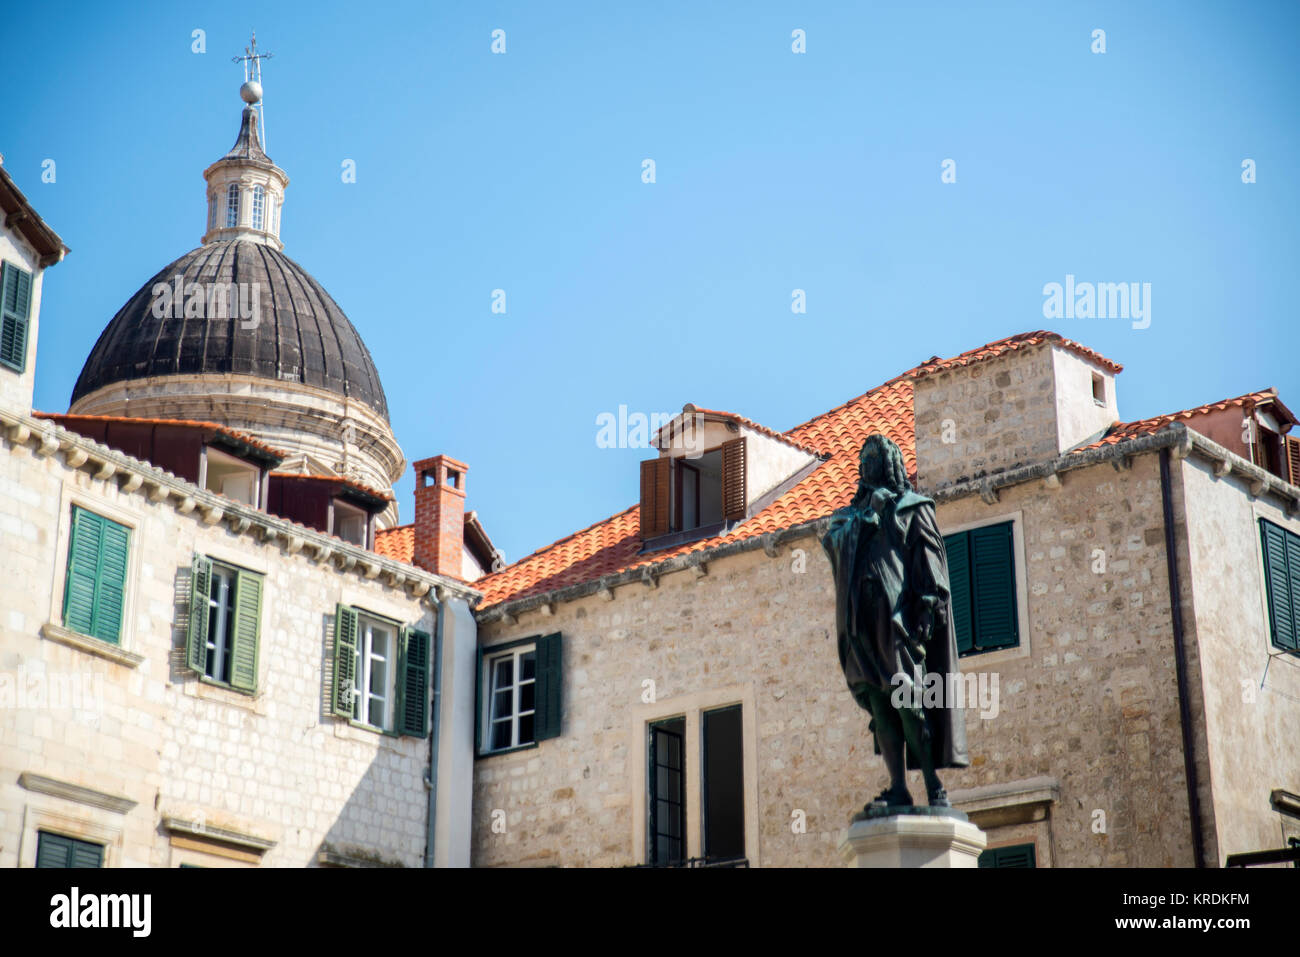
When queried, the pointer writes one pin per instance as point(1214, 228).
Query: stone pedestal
point(912, 837)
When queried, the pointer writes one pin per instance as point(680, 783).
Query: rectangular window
point(1282, 584)
point(231, 476)
point(724, 782)
point(94, 593)
point(55, 850)
point(225, 623)
point(15, 318)
point(259, 202)
point(667, 797)
point(1017, 855)
point(381, 672)
point(520, 688)
point(680, 495)
point(350, 523)
point(982, 577)
point(232, 205)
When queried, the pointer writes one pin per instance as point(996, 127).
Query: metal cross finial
point(251, 91)
point(253, 58)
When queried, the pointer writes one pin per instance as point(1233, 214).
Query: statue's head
point(880, 465)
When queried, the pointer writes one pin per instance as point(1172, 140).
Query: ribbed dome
point(301, 334)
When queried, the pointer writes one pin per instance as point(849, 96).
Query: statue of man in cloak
point(894, 623)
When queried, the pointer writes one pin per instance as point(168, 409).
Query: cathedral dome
point(276, 322)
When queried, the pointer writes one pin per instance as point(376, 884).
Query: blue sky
point(774, 171)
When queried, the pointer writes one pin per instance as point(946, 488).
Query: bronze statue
point(894, 623)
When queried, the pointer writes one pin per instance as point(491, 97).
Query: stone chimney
point(440, 516)
point(1018, 402)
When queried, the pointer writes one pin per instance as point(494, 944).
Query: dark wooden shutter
point(196, 642)
point(1293, 459)
point(345, 661)
point(15, 306)
point(550, 688)
point(655, 497)
point(1018, 855)
point(247, 625)
point(415, 682)
point(84, 543)
point(734, 482)
point(86, 854)
point(958, 549)
point(993, 578)
point(1282, 583)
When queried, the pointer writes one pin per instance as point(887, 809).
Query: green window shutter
point(52, 850)
point(86, 854)
point(95, 589)
point(15, 304)
point(79, 589)
point(55, 850)
point(414, 683)
point(993, 578)
point(248, 621)
point(196, 642)
point(1282, 583)
point(346, 626)
point(550, 687)
point(111, 596)
point(480, 699)
point(958, 550)
point(1018, 855)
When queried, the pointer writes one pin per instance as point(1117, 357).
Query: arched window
point(232, 205)
point(259, 205)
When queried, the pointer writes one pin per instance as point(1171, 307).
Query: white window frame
point(221, 633)
point(364, 669)
point(258, 210)
point(488, 697)
point(232, 208)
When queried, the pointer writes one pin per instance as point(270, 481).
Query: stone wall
point(1088, 700)
point(1252, 688)
point(146, 730)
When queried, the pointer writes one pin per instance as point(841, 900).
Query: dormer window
point(232, 206)
point(350, 523)
point(685, 494)
point(1098, 388)
point(259, 206)
point(230, 476)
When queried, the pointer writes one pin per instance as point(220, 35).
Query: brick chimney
point(440, 515)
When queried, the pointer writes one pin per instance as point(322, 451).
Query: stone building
point(663, 686)
point(206, 655)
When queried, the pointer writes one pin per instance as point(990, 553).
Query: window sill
point(688, 535)
point(94, 646)
point(207, 689)
point(520, 747)
point(350, 730)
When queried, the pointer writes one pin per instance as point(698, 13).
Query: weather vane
point(251, 91)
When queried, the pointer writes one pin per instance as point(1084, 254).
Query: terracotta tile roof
point(614, 544)
point(784, 438)
point(1010, 344)
point(396, 543)
point(1129, 430)
point(365, 490)
point(70, 421)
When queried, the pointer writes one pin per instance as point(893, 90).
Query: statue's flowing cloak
point(890, 570)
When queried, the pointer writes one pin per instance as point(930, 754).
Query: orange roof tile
point(1023, 340)
point(347, 482)
point(614, 544)
point(1128, 430)
point(65, 418)
point(396, 543)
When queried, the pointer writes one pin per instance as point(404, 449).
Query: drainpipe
point(431, 775)
point(1180, 661)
